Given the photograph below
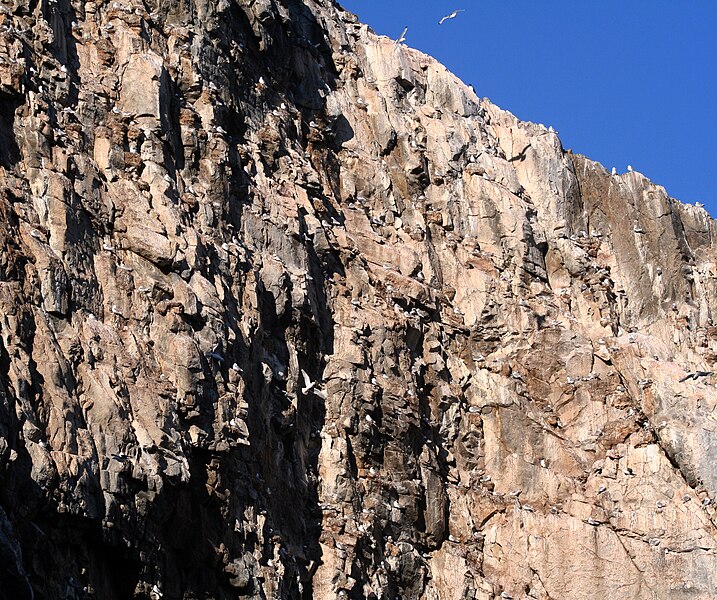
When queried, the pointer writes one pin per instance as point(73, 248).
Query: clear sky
point(622, 81)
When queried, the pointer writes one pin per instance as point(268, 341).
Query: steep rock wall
point(202, 200)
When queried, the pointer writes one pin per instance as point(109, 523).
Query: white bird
point(453, 15)
point(629, 168)
point(614, 171)
point(308, 384)
point(402, 37)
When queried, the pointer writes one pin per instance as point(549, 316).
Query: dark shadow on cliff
point(275, 477)
point(9, 150)
point(184, 535)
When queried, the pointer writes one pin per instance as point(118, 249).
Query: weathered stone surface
point(287, 311)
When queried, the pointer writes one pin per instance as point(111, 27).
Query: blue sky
point(623, 81)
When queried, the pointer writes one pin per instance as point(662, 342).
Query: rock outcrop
point(287, 311)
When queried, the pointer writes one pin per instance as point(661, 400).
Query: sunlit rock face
point(287, 311)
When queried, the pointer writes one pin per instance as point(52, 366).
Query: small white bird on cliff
point(453, 15)
point(629, 168)
point(402, 37)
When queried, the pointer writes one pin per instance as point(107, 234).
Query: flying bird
point(308, 384)
point(402, 38)
point(453, 15)
point(696, 375)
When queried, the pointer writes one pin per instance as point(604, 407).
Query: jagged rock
point(287, 311)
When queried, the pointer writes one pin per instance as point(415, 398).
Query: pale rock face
point(201, 201)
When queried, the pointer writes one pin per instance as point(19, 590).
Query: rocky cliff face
point(286, 311)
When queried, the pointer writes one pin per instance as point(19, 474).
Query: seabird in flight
point(308, 384)
point(402, 37)
point(453, 15)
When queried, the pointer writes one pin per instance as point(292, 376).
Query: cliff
point(287, 311)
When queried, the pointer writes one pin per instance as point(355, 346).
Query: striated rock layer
point(286, 311)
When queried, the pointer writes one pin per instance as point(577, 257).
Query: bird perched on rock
point(156, 593)
point(453, 15)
